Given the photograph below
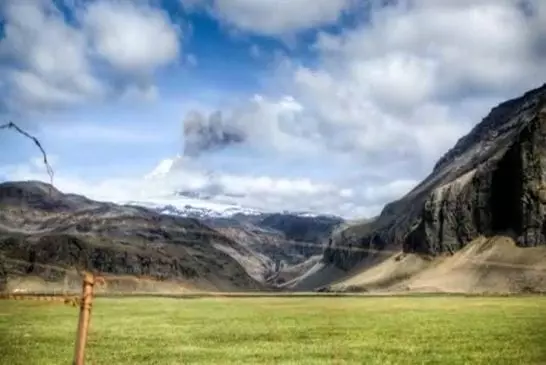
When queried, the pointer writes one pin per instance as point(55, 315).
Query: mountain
point(270, 243)
point(46, 236)
point(475, 224)
point(285, 240)
point(489, 188)
point(194, 207)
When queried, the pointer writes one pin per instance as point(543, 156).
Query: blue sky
point(342, 105)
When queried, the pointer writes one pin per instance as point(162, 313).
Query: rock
point(274, 245)
point(46, 233)
point(492, 181)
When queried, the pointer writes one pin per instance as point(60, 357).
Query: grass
point(319, 330)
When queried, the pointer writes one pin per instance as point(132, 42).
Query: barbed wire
point(11, 125)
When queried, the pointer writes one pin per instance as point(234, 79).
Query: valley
point(475, 224)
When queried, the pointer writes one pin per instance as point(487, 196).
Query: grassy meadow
point(284, 330)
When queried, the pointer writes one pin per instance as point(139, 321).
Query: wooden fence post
point(85, 315)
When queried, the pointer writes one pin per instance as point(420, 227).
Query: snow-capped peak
point(194, 208)
point(162, 169)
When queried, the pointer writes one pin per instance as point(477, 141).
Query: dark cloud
point(206, 134)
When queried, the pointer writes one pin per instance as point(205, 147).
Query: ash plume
point(204, 134)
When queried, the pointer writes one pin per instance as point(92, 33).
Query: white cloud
point(133, 38)
point(387, 97)
point(268, 124)
point(36, 91)
point(50, 63)
point(400, 86)
point(261, 192)
point(273, 17)
point(275, 192)
point(484, 45)
point(396, 93)
point(276, 125)
point(51, 67)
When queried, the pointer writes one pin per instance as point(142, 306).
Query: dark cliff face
point(301, 228)
point(492, 181)
point(44, 232)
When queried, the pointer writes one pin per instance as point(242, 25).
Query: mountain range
point(475, 224)
point(44, 234)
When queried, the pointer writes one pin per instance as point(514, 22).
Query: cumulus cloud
point(387, 98)
point(47, 58)
point(276, 190)
point(401, 83)
point(274, 18)
point(262, 192)
point(132, 38)
point(407, 82)
point(50, 63)
point(394, 93)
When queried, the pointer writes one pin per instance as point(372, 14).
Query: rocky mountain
point(194, 207)
point(283, 240)
point(476, 223)
point(46, 234)
point(491, 183)
point(270, 243)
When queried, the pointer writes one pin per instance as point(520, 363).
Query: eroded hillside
point(492, 182)
point(46, 234)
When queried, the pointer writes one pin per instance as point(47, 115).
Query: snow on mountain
point(193, 208)
point(198, 208)
point(162, 169)
point(180, 187)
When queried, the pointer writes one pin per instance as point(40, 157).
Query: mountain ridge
point(77, 229)
point(42, 227)
point(491, 182)
point(489, 189)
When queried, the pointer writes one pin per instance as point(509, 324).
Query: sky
point(325, 106)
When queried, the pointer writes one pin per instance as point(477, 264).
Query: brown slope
point(494, 265)
point(45, 234)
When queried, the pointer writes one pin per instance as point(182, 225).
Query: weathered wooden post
point(85, 315)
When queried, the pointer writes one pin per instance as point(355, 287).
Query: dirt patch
point(112, 284)
point(487, 265)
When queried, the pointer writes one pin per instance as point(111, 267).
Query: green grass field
point(365, 330)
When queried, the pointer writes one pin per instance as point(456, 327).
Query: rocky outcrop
point(306, 234)
point(47, 234)
point(492, 181)
point(274, 245)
